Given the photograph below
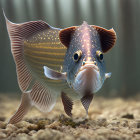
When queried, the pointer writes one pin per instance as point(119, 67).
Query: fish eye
point(99, 55)
point(77, 55)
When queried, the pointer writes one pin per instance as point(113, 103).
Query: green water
point(122, 15)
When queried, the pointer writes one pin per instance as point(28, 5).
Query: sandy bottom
point(109, 119)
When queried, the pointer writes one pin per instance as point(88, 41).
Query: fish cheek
point(70, 78)
point(101, 66)
point(70, 73)
point(73, 69)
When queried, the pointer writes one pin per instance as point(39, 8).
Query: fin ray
point(66, 34)
point(107, 38)
point(67, 102)
point(22, 109)
point(42, 98)
point(18, 33)
point(86, 100)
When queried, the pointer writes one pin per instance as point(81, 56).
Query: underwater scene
point(69, 70)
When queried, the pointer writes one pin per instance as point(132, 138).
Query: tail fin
point(18, 33)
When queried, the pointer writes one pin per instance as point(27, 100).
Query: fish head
point(84, 62)
point(86, 73)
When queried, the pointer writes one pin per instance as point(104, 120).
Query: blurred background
point(123, 15)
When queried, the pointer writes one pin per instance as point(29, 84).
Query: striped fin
point(67, 104)
point(42, 98)
point(22, 109)
point(86, 100)
point(18, 33)
point(39, 97)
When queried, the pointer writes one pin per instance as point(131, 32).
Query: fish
point(52, 62)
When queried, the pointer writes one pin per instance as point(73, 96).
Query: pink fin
point(22, 109)
point(17, 34)
point(65, 35)
point(42, 98)
point(67, 102)
point(107, 37)
point(39, 96)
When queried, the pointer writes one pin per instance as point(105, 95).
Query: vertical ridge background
point(122, 15)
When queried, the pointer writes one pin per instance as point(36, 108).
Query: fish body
point(52, 62)
point(45, 49)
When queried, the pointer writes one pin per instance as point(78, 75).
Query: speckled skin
point(86, 39)
point(51, 61)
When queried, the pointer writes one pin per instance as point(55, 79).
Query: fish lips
point(89, 66)
point(88, 77)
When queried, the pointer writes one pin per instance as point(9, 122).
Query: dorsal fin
point(18, 33)
point(66, 34)
point(107, 37)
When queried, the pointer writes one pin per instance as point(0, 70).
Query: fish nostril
point(83, 63)
point(95, 63)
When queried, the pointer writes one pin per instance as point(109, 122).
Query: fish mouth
point(89, 65)
point(87, 78)
point(88, 68)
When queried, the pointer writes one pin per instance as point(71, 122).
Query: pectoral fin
point(107, 38)
point(52, 74)
point(107, 75)
point(66, 34)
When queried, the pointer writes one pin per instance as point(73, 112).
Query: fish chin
point(88, 79)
